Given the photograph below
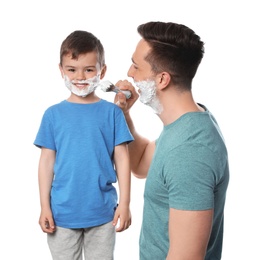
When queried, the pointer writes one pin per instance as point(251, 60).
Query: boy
point(83, 143)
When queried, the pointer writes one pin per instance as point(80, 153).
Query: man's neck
point(176, 105)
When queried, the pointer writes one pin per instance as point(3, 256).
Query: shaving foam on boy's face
point(82, 88)
point(148, 95)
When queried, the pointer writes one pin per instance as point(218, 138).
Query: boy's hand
point(46, 222)
point(123, 217)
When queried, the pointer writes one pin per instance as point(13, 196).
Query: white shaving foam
point(92, 85)
point(148, 95)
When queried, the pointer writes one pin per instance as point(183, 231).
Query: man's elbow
point(139, 175)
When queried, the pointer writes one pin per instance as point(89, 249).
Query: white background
point(228, 82)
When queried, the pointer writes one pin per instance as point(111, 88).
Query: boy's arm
point(122, 165)
point(45, 178)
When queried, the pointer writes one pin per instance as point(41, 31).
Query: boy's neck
point(91, 98)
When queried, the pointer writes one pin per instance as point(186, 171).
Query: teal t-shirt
point(189, 171)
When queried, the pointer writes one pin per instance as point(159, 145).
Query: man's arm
point(189, 233)
point(141, 149)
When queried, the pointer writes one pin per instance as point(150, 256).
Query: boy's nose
point(81, 75)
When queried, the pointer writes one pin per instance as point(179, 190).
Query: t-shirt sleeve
point(122, 131)
point(45, 134)
point(190, 179)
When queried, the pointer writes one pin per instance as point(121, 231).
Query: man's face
point(143, 77)
point(140, 69)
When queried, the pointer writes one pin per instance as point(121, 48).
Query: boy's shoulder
point(55, 106)
point(109, 104)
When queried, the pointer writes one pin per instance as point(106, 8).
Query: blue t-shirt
point(189, 171)
point(84, 137)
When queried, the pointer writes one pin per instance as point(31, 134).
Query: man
point(187, 166)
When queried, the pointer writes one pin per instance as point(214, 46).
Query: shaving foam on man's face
point(148, 95)
point(82, 88)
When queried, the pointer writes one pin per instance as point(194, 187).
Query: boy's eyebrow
point(70, 66)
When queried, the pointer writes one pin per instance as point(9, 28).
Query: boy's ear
point(103, 71)
point(61, 70)
point(164, 80)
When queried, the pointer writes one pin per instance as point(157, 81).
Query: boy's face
point(81, 75)
point(82, 68)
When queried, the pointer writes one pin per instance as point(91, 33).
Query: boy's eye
point(89, 70)
point(71, 70)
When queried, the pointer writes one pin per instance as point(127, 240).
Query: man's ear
point(61, 70)
point(103, 71)
point(164, 79)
